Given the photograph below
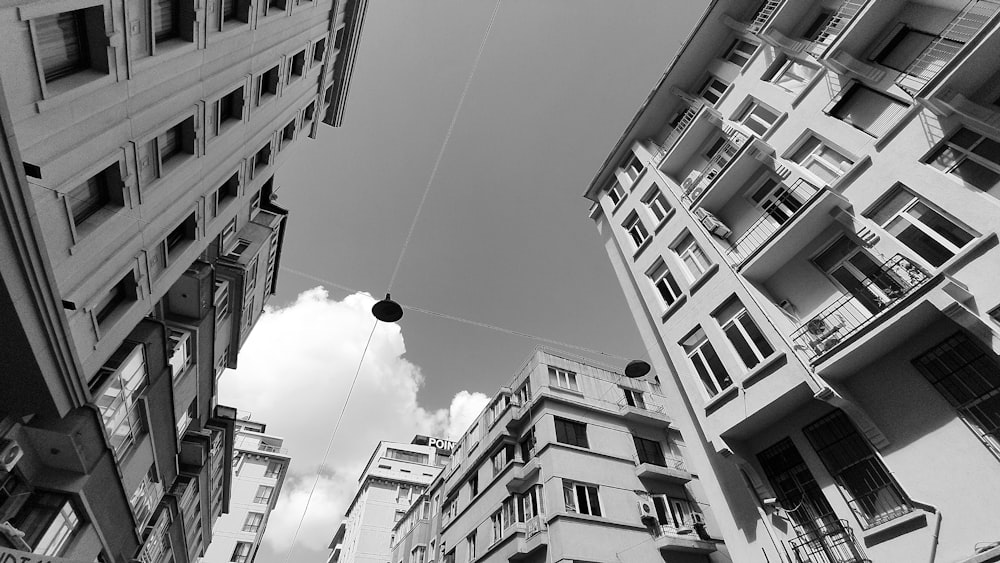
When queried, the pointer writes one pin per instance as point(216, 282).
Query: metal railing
point(698, 181)
point(777, 213)
point(830, 543)
point(763, 15)
point(880, 506)
point(835, 26)
point(895, 279)
point(668, 461)
point(623, 404)
point(973, 17)
point(683, 122)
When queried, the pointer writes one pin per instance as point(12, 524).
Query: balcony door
point(859, 274)
point(778, 201)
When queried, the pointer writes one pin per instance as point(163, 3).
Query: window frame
point(734, 49)
point(665, 283)
point(747, 111)
point(815, 156)
point(964, 154)
point(636, 230)
point(694, 346)
point(264, 494)
point(687, 247)
point(739, 318)
point(916, 222)
point(657, 205)
point(711, 85)
point(559, 375)
point(97, 62)
point(571, 432)
point(591, 493)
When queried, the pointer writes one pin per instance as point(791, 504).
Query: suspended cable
point(329, 444)
point(444, 144)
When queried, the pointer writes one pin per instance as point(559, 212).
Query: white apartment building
point(803, 217)
point(260, 463)
point(396, 475)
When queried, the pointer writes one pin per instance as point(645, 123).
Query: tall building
point(260, 463)
point(395, 475)
point(140, 239)
point(803, 217)
point(568, 462)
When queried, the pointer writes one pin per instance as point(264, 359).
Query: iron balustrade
point(827, 543)
point(777, 212)
point(763, 15)
point(895, 279)
point(880, 506)
point(834, 26)
point(699, 181)
point(932, 60)
point(683, 121)
point(623, 404)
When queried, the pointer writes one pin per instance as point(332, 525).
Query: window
point(657, 204)
point(571, 432)
point(403, 493)
point(403, 455)
point(562, 378)
point(449, 557)
point(179, 346)
point(419, 554)
point(241, 553)
point(232, 13)
point(505, 517)
point(636, 230)
point(474, 485)
point(228, 111)
point(267, 86)
point(319, 48)
point(309, 112)
point(634, 398)
point(90, 197)
point(693, 257)
point(263, 495)
point(533, 502)
point(523, 394)
point(227, 193)
point(178, 239)
point(399, 515)
point(869, 110)
point(929, 233)
point(794, 486)
point(287, 133)
point(114, 301)
point(706, 363)
point(649, 451)
point(904, 48)
point(972, 157)
point(739, 52)
point(270, 7)
point(855, 270)
point(158, 156)
point(871, 491)
point(820, 160)
point(146, 496)
point(757, 117)
point(664, 283)
point(63, 44)
point(502, 458)
point(632, 166)
point(790, 74)
point(261, 159)
point(470, 545)
point(273, 469)
point(580, 498)
point(778, 201)
point(527, 445)
point(712, 89)
point(252, 522)
point(49, 521)
point(298, 66)
point(338, 39)
point(616, 193)
point(969, 378)
point(743, 334)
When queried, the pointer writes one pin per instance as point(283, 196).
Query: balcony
point(876, 297)
point(680, 125)
point(942, 50)
point(518, 415)
point(682, 540)
point(832, 29)
point(524, 476)
point(950, 101)
point(833, 542)
point(762, 16)
point(729, 156)
point(644, 413)
point(672, 470)
point(535, 539)
point(781, 210)
point(695, 124)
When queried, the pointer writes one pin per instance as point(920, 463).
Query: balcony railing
point(683, 121)
point(973, 17)
point(778, 211)
point(668, 461)
point(698, 181)
point(623, 404)
point(832, 543)
point(763, 15)
point(835, 26)
point(895, 279)
point(880, 506)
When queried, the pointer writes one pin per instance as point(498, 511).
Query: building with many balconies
point(260, 464)
point(803, 216)
point(569, 462)
point(140, 240)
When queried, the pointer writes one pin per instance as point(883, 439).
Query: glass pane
point(941, 225)
point(977, 174)
point(835, 253)
point(741, 345)
point(756, 336)
point(964, 138)
point(988, 149)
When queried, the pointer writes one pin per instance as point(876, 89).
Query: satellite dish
point(387, 310)
point(636, 369)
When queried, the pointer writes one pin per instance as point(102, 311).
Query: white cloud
point(294, 374)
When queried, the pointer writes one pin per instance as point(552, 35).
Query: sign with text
point(13, 556)
point(443, 446)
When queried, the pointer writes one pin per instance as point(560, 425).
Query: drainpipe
point(934, 538)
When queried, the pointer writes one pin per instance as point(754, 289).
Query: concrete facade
point(395, 476)
point(569, 462)
point(260, 464)
point(803, 217)
point(140, 241)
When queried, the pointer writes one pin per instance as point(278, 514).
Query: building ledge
point(663, 473)
point(894, 528)
point(688, 543)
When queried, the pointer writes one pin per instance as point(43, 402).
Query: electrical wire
point(329, 444)
point(444, 144)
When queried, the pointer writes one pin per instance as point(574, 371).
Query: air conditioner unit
point(715, 226)
point(646, 509)
point(14, 536)
point(697, 517)
point(10, 454)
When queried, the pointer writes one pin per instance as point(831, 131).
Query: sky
point(503, 237)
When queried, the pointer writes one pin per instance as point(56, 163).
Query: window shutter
point(87, 198)
point(212, 118)
point(228, 9)
point(164, 19)
point(168, 143)
point(868, 110)
point(138, 28)
point(60, 39)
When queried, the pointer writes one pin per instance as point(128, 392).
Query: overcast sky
point(503, 238)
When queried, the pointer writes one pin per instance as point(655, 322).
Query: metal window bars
point(832, 542)
point(895, 279)
point(969, 21)
point(776, 214)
